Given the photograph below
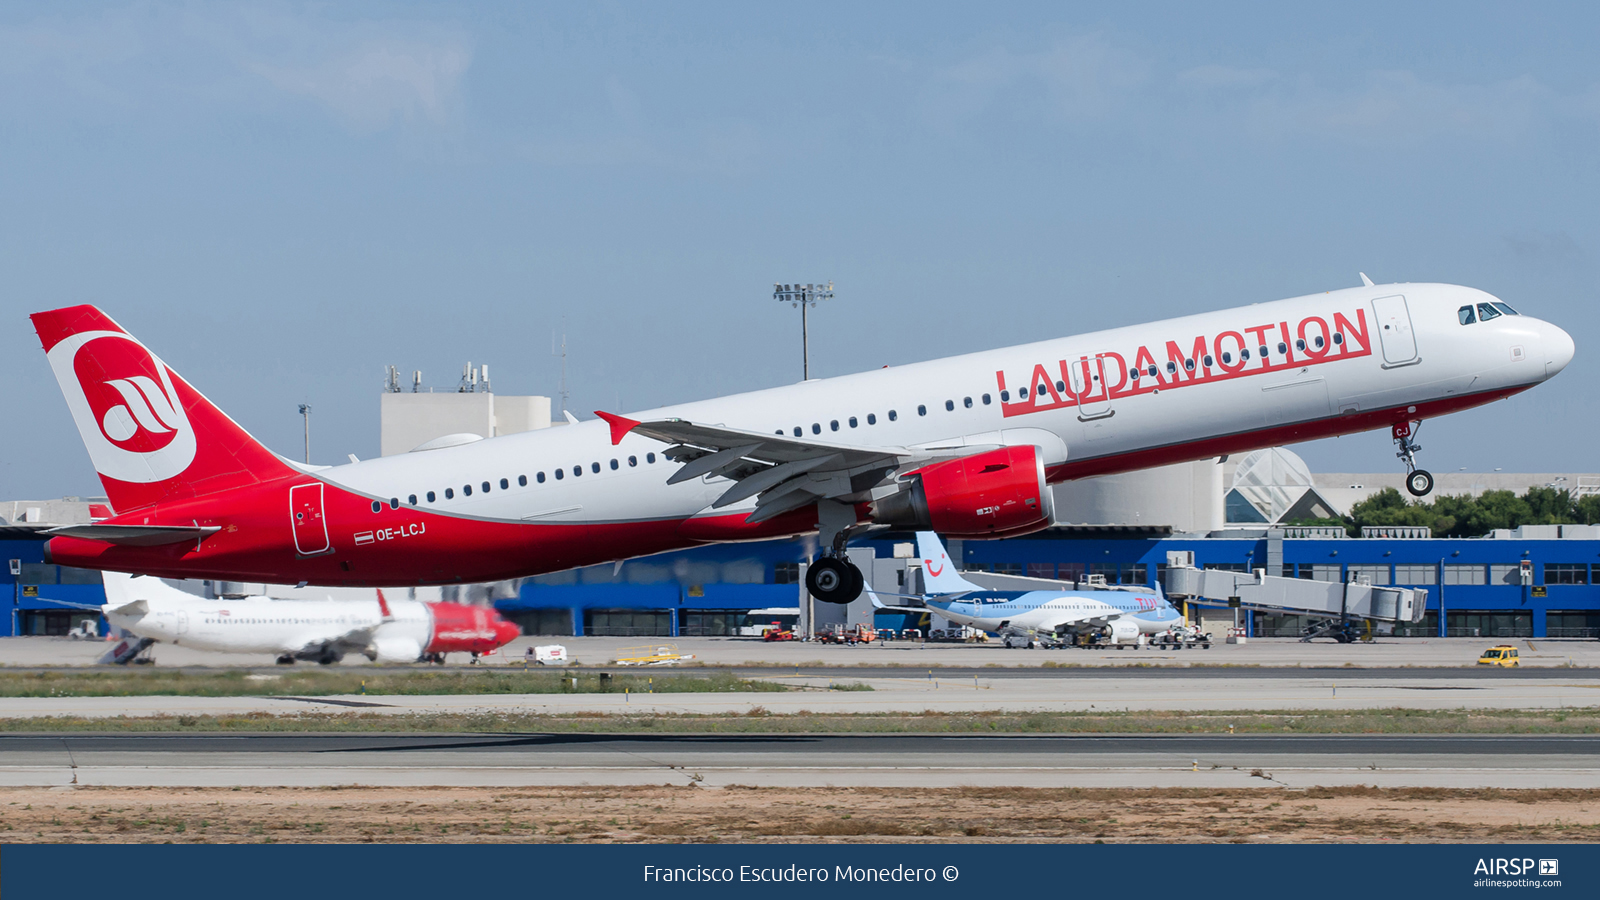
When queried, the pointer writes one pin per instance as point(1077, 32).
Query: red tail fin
point(152, 436)
point(383, 607)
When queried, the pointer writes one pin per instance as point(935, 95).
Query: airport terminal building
point(1476, 587)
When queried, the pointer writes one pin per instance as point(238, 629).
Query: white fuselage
point(263, 625)
point(1055, 610)
point(1331, 357)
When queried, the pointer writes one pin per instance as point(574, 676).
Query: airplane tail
point(151, 436)
point(939, 575)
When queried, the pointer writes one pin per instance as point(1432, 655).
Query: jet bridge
point(1338, 604)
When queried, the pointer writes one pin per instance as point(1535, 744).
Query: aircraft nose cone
point(1558, 350)
point(506, 632)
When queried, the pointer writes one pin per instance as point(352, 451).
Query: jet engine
point(998, 493)
point(1122, 631)
point(394, 649)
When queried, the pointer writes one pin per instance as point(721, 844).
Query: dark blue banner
point(255, 872)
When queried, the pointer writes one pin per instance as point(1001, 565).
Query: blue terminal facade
point(1476, 582)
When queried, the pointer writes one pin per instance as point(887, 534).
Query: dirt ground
point(671, 814)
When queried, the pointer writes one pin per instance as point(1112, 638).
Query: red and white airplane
point(322, 631)
point(966, 446)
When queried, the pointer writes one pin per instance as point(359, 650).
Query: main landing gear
point(1419, 482)
point(832, 577)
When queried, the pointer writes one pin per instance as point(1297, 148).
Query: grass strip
point(328, 682)
point(758, 720)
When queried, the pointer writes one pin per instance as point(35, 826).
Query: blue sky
point(282, 199)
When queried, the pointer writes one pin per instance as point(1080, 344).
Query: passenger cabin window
point(522, 481)
point(872, 418)
point(1282, 347)
point(394, 502)
point(1022, 393)
point(560, 474)
point(486, 487)
point(539, 478)
point(798, 431)
point(449, 493)
point(967, 402)
point(1487, 312)
point(950, 405)
point(833, 425)
point(1005, 396)
point(430, 497)
point(649, 457)
point(852, 421)
point(922, 410)
point(893, 415)
point(504, 484)
point(466, 490)
point(594, 467)
point(376, 506)
point(615, 465)
point(1061, 386)
point(412, 499)
point(985, 399)
point(633, 462)
point(816, 428)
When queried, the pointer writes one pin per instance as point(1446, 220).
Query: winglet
point(620, 425)
point(1365, 280)
point(383, 607)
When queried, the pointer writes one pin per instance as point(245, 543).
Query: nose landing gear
point(1419, 482)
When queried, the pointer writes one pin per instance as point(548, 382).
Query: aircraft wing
point(782, 473)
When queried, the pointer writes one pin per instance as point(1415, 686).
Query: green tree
point(1465, 516)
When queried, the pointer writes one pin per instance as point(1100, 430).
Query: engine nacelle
point(1000, 493)
point(1122, 631)
point(395, 649)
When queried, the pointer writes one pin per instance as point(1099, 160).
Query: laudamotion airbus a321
point(966, 446)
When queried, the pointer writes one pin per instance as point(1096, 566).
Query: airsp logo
point(127, 411)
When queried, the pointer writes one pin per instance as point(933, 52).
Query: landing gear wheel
point(833, 580)
point(1420, 483)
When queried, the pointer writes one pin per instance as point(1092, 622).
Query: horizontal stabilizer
point(130, 610)
point(136, 535)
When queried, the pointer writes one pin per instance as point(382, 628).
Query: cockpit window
point(1487, 312)
point(1465, 315)
point(1506, 309)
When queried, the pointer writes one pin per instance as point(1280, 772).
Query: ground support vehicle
point(1503, 655)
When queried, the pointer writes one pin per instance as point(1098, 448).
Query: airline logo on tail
point(127, 411)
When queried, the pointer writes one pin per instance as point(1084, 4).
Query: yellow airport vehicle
point(1503, 655)
point(653, 656)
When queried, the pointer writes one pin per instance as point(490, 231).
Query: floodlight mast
point(803, 296)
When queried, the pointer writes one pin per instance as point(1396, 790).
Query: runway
point(1201, 761)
